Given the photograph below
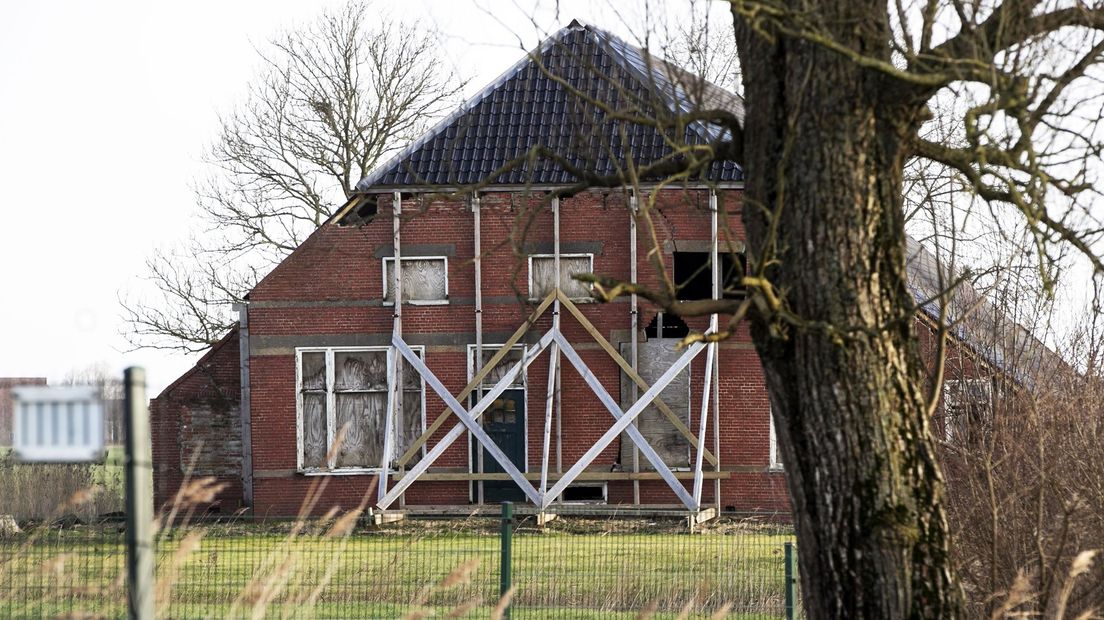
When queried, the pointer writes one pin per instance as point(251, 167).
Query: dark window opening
point(363, 214)
point(673, 327)
point(694, 276)
point(589, 493)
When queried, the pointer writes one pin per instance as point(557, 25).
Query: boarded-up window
point(512, 357)
point(542, 275)
point(654, 358)
point(347, 389)
point(967, 405)
point(425, 280)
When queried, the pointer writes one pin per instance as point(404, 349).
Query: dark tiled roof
point(547, 99)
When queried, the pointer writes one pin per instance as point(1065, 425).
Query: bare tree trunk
point(824, 152)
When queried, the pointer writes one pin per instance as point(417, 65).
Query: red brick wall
point(342, 267)
point(195, 424)
point(329, 290)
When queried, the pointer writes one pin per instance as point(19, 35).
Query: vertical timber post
point(789, 578)
point(506, 553)
point(395, 361)
point(715, 264)
point(553, 365)
point(634, 352)
point(139, 498)
point(478, 363)
point(556, 323)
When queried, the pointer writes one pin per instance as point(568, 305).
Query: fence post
point(789, 587)
point(505, 576)
point(139, 498)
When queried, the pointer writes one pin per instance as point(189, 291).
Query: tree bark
point(825, 143)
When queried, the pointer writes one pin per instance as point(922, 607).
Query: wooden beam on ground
point(382, 517)
point(693, 520)
point(544, 518)
point(477, 379)
point(632, 374)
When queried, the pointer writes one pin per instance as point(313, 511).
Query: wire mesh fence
point(574, 567)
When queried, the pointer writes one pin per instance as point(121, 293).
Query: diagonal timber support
point(623, 423)
point(468, 420)
point(478, 378)
point(679, 425)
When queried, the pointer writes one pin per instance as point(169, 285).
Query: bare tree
point(334, 99)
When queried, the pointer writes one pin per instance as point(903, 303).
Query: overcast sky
point(106, 109)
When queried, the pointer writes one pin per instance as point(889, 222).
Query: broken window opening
point(542, 275)
point(665, 325)
point(348, 388)
point(425, 280)
point(584, 494)
point(694, 276)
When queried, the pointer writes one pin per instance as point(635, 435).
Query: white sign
point(58, 424)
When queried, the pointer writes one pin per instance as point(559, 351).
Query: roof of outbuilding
point(564, 96)
point(975, 320)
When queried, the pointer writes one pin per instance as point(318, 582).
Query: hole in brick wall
point(694, 276)
point(673, 327)
point(363, 214)
point(592, 493)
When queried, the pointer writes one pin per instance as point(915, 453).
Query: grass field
point(384, 574)
point(36, 490)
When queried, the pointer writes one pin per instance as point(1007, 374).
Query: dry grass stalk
point(722, 612)
point(462, 609)
point(499, 611)
point(648, 611)
point(461, 575)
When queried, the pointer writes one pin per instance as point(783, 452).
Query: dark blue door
point(504, 422)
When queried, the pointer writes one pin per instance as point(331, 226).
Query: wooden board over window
point(346, 388)
point(542, 275)
point(655, 357)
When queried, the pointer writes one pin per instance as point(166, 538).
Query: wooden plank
point(624, 420)
point(468, 419)
point(478, 378)
point(387, 516)
point(613, 353)
point(587, 476)
point(697, 518)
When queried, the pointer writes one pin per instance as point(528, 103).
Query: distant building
point(6, 385)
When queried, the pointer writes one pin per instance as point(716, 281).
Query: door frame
point(469, 356)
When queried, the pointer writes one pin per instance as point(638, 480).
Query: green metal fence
point(575, 567)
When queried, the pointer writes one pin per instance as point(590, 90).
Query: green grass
point(381, 574)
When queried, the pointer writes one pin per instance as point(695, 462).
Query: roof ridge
point(654, 74)
point(466, 105)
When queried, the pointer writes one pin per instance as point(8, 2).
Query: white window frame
point(472, 369)
point(775, 457)
point(331, 411)
point(416, 302)
point(963, 386)
point(588, 256)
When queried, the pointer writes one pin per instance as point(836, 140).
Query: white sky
point(105, 111)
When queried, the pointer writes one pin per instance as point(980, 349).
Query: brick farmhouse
point(307, 401)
